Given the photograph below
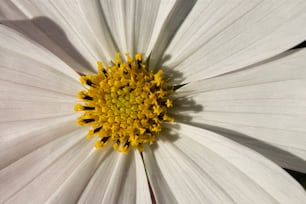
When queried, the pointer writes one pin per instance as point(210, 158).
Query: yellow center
point(125, 104)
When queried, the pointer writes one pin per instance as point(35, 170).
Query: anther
point(88, 108)
point(86, 97)
point(105, 139)
point(88, 120)
point(97, 129)
point(89, 82)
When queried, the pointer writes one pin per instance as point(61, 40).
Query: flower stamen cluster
point(124, 103)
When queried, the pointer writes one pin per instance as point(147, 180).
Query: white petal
point(265, 102)
point(60, 46)
point(31, 79)
point(120, 18)
point(221, 36)
point(34, 83)
point(142, 187)
point(37, 93)
point(19, 138)
point(119, 179)
point(202, 167)
point(62, 28)
point(147, 14)
point(161, 190)
point(34, 177)
point(10, 11)
point(74, 185)
point(15, 44)
point(74, 13)
point(134, 23)
point(95, 18)
point(172, 14)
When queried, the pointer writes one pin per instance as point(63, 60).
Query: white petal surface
point(19, 174)
point(220, 36)
point(35, 177)
point(71, 190)
point(37, 93)
point(92, 11)
point(35, 74)
point(202, 167)
point(18, 44)
point(265, 102)
point(62, 28)
point(119, 179)
point(135, 24)
point(19, 138)
point(53, 39)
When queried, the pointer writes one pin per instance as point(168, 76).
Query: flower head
point(223, 71)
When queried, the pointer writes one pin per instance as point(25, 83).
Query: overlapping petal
point(199, 166)
point(262, 106)
point(60, 27)
point(119, 179)
point(221, 36)
point(253, 99)
point(37, 96)
point(37, 176)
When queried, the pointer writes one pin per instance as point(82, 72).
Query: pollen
point(124, 104)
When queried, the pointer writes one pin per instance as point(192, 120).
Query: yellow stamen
point(125, 104)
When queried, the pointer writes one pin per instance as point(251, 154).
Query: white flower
point(239, 119)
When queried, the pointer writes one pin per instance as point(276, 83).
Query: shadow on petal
point(177, 15)
point(48, 34)
point(277, 155)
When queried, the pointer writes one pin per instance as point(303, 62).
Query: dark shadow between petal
point(301, 45)
point(300, 177)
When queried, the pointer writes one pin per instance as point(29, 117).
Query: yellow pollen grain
point(125, 104)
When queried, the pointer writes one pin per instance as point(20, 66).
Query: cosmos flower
point(224, 73)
